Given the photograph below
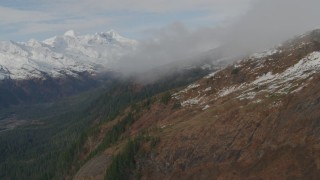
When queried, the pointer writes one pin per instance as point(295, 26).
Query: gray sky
point(270, 22)
point(266, 24)
point(172, 43)
point(169, 30)
point(21, 20)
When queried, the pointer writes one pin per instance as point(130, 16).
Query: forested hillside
point(48, 142)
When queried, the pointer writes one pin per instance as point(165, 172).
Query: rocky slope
point(256, 119)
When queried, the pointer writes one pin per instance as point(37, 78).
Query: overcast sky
point(263, 24)
point(21, 20)
point(270, 22)
point(168, 30)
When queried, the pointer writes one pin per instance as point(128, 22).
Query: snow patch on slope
point(228, 90)
point(265, 54)
point(192, 101)
point(292, 80)
point(281, 83)
point(300, 71)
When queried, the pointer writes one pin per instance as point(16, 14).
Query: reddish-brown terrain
point(256, 119)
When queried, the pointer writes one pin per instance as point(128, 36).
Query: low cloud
point(270, 22)
point(265, 25)
point(171, 44)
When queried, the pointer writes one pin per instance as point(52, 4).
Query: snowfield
point(290, 81)
point(68, 54)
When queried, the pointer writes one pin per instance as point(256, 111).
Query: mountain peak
point(113, 33)
point(67, 54)
point(70, 33)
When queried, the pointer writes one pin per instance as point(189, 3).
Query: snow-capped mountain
point(69, 54)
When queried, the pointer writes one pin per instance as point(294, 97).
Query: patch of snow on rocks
point(296, 90)
point(228, 90)
point(302, 70)
point(191, 86)
point(264, 54)
point(205, 107)
point(249, 95)
point(193, 101)
point(211, 75)
point(207, 89)
point(264, 79)
point(257, 101)
point(178, 94)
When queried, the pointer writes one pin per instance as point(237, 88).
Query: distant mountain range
point(37, 71)
point(59, 56)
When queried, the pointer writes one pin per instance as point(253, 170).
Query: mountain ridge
point(58, 56)
point(255, 119)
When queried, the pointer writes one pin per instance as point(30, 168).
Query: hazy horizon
point(167, 34)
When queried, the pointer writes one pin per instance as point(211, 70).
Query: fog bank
point(266, 24)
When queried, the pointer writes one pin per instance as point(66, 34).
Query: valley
point(62, 126)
